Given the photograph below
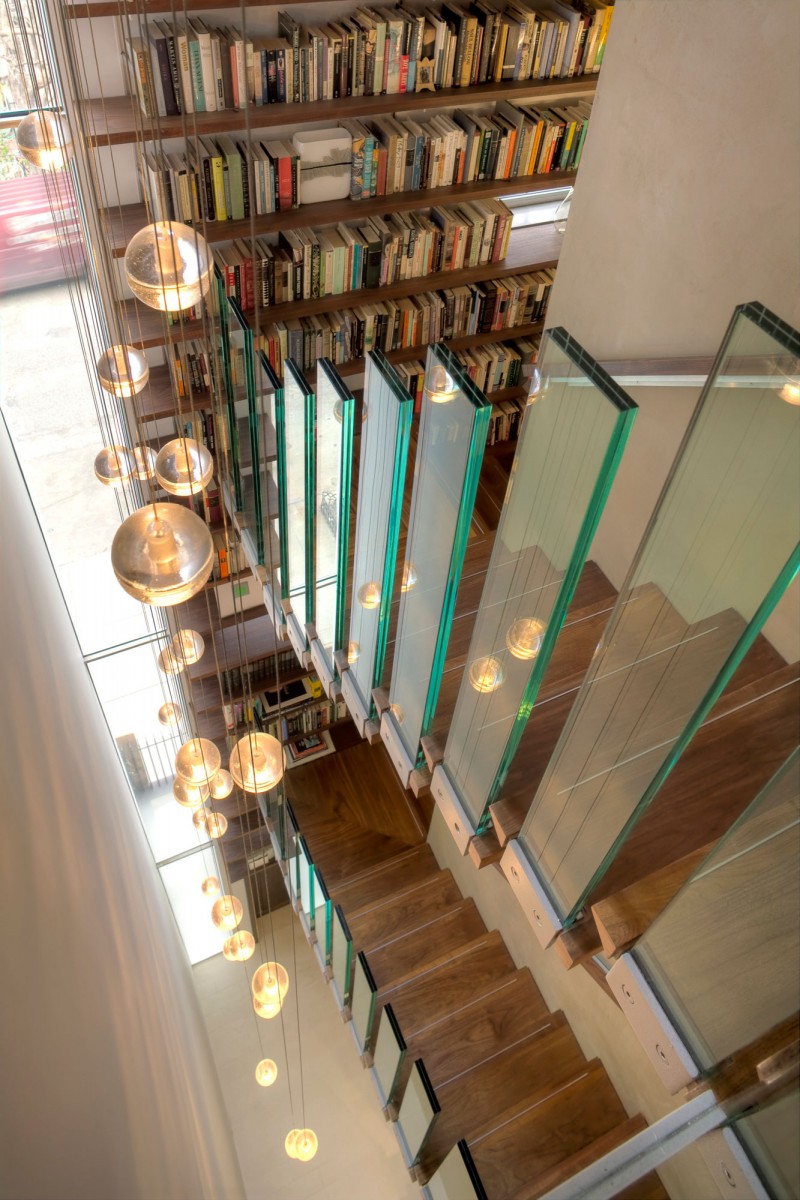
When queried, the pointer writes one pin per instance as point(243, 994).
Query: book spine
point(198, 90)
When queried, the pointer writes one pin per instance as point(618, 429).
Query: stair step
point(479, 1027)
point(373, 884)
point(519, 1146)
point(351, 851)
point(511, 1081)
point(402, 957)
point(403, 911)
point(594, 589)
point(581, 1158)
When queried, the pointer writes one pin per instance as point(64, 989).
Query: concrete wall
point(688, 204)
point(109, 1090)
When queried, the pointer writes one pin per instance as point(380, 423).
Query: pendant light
point(440, 387)
point(170, 714)
point(221, 785)
point(269, 985)
point(188, 646)
point(162, 554)
point(215, 824)
point(168, 266)
point(168, 663)
point(123, 371)
point(524, 637)
point(197, 760)
point(226, 912)
point(210, 886)
point(369, 594)
point(43, 139)
point(189, 795)
point(301, 1144)
point(266, 1072)
point(257, 762)
point(486, 674)
point(114, 465)
point(239, 946)
point(184, 466)
point(145, 459)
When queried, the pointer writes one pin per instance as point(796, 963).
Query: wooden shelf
point(158, 400)
point(152, 8)
point(530, 249)
point(118, 120)
point(123, 222)
point(356, 366)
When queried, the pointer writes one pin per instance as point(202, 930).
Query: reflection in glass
point(298, 531)
point(568, 452)
point(335, 412)
point(382, 471)
point(720, 550)
point(452, 437)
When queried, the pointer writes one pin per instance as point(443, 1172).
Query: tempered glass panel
point(335, 412)
point(363, 1003)
point(305, 875)
point(388, 1056)
point(452, 437)
point(721, 548)
point(770, 1138)
point(572, 439)
point(386, 422)
point(341, 957)
point(323, 915)
point(182, 880)
point(453, 1180)
point(243, 389)
point(263, 424)
point(416, 1115)
point(228, 383)
point(298, 531)
point(292, 851)
point(724, 956)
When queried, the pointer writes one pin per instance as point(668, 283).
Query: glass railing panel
point(575, 429)
point(452, 437)
point(263, 425)
point(226, 364)
point(362, 1005)
point(390, 1051)
point(243, 384)
point(292, 854)
point(386, 423)
point(341, 957)
point(418, 1112)
point(770, 1139)
point(456, 1178)
point(720, 550)
point(298, 532)
point(305, 879)
point(724, 956)
point(323, 918)
point(335, 414)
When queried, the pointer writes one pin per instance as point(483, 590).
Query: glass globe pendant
point(409, 577)
point(114, 465)
point(184, 466)
point(226, 912)
point(162, 554)
point(43, 139)
point(257, 762)
point(221, 785)
point(353, 652)
point(168, 266)
point(289, 1144)
point(197, 761)
point(188, 646)
point(305, 1145)
point(189, 795)
point(215, 824)
point(486, 674)
point(239, 946)
point(397, 712)
point(524, 637)
point(169, 714)
point(145, 459)
point(210, 886)
point(123, 371)
point(369, 594)
point(168, 663)
point(269, 986)
point(440, 387)
point(266, 1072)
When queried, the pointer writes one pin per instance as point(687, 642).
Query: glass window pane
point(335, 411)
point(386, 423)
point(721, 548)
point(182, 880)
point(574, 432)
point(452, 437)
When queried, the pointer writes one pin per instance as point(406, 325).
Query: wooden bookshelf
point(123, 222)
point(356, 366)
point(152, 8)
point(531, 248)
point(119, 121)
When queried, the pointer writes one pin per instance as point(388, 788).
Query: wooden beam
point(576, 944)
point(433, 751)
point(506, 821)
point(623, 918)
point(485, 850)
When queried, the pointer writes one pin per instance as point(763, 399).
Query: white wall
point(108, 1087)
point(688, 204)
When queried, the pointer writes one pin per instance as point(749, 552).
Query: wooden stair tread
point(584, 1157)
point(520, 1146)
point(509, 1082)
point(359, 848)
point(404, 956)
point(410, 867)
point(403, 911)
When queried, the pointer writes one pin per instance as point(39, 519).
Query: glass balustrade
point(452, 437)
point(341, 957)
point(362, 1004)
point(292, 843)
point(389, 1055)
point(719, 552)
point(231, 481)
point(335, 413)
point(296, 449)
point(243, 386)
point(573, 435)
point(323, 919)
point(419, 1109)
point(385, 428)
point(305, 882)
point(456, 1178)
point(770, 1138)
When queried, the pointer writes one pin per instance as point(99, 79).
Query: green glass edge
point(312, 922)
point(405, 407)
point(605, 478)
point(701, 712)
point(687, 1029)
point(477, 446)
point(233, 438)
point(309, 421)
point(345, 484)
point(252, 421)
point(277, 388)
point(348, 964)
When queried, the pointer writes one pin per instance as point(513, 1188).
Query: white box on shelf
point(325, 162)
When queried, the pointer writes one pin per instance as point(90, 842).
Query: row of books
point(234, 679)
point(228, 556)
point(230, 180)
point(412, 321)
point(505, 421)
point(492, 367)
point(308, 717)
point(308, 264)
point(185, 67)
